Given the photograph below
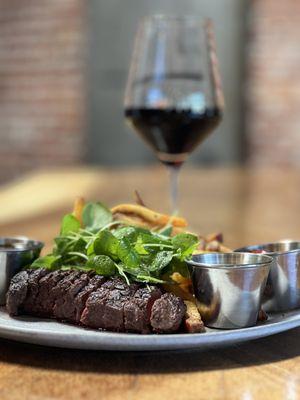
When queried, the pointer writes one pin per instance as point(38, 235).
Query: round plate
point(51, 333)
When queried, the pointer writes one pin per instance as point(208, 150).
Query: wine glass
point(173, 97)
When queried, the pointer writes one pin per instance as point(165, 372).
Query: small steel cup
point(282, 291)
point(229, 287)
point(15, 253)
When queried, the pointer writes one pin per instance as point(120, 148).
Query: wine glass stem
point(173, 176)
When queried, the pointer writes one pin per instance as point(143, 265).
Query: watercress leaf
point(166, 231)
point(127, 254)
point(151, 237)
point(69, 224)
point(130, 232)
point(61, 245)
point(95, 216)
point(160, 261)
point(148, 279)
point(186, 243)
point(131, 271)
point(90, 248)
point(102, 265)
point(76, 267)
point(106, 243)
point(139, 247)
point(122, 273)
point(79, 245)
point(50, 261)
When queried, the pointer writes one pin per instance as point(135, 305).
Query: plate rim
point(17, 330)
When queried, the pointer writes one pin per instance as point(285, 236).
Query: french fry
point(133, 220)
point(197, 251)
point(224, 249)
point(213, 246)
point(214, 236)
point(178, 291)
point(78, 207)
point(192, 320)
point(151, 216)
point(182, 287)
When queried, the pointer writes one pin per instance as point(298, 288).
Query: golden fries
point(181, 287)
point(78, 207)
point(150, 216)
point(192, 320)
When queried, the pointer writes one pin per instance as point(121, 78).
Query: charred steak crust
point(66, 291)
point(17, 292)
point(167, 313)
point(44, 301)
point(95, 301)
point(34, 277)
point(105, 308)
point(137, 310)
point(60, 292)
point(80, 299)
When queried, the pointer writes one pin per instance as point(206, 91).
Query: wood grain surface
point(248, 206)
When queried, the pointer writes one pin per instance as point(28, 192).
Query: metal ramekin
point(23, 252)
point(229, 287)
point(282, 291)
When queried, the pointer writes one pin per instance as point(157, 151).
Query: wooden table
point(247, 205)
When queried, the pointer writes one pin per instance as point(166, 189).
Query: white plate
point(51, 333)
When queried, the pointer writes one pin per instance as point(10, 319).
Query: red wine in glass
point(173, 98)
point(171, 133)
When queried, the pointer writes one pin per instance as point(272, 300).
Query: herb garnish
point(110, 248)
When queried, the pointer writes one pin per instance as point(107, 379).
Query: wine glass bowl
point(173, 98)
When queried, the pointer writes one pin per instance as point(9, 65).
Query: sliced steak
point(105, 307)
point(66, 291)
point(17, 292)
point(167, 313)
point(137, 310)
point(34, 277)
point(94, 301)
point(79, 301)
point(60, 293)
point(42, 304)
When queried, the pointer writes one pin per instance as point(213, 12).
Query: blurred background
point(63, 70)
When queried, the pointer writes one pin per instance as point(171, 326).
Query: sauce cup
point(283, 285)
point(229, 287)
point(15, 253)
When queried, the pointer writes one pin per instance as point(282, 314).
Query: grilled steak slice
point(60, 293)
point(43, 302)
point(65, 292)
point(105, 307)
point(17, 292)
point(80, 299)
point(167, 313)
point(137, 310)
point(34, 277)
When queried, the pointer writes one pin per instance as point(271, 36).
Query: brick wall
point(273, 88)
point(42, 88)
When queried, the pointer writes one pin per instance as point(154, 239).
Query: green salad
point(110, 247)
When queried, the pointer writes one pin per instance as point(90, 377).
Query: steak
point(167, 313)
point(34, 277)
point(17, 292)
point(43, 302)
point(80, 299)
point(137, 310)
point(105, 307)
point(94, 301)
point(65, 291)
